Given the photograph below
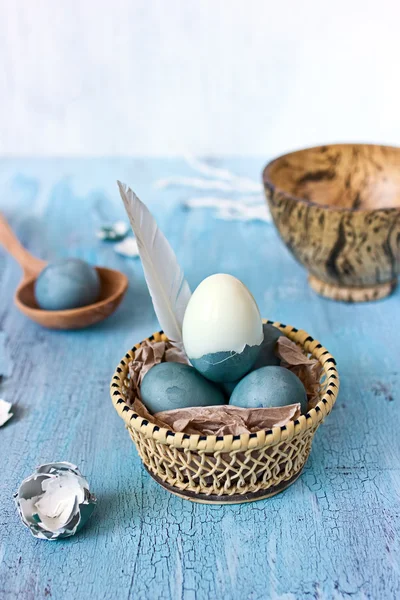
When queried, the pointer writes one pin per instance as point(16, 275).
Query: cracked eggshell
point(266, 358)
point(55, 501)
point(222, 328)
point(269, 387)
point(170, 385)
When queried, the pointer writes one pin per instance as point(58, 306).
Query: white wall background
point(209, 77)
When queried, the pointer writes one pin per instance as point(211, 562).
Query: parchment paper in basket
point(308, 370)
point(223, 420)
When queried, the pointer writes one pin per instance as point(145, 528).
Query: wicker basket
point(229, 468)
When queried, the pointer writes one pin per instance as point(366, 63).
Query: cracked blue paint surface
point(334, 534)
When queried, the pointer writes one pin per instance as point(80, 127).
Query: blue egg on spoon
point(66, 284)
point(269, 387)
point(222, 328)
point(170, 385)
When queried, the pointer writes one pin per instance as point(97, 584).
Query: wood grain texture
point(337, 208)
point(334, 534)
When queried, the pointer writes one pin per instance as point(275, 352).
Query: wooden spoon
point(113, 288)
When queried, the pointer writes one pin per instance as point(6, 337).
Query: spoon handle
point(30, 264)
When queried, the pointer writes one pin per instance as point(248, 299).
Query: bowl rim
point(231, 442)
point(271, 187)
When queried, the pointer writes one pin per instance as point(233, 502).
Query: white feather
point(167, 285)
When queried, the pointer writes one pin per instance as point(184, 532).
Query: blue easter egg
point(222, 366)
point(269, 387)
point(266, 356)
point(67, 283)
point(222, 328)
point(171, 385)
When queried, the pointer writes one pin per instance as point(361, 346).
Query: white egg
point(222, 328)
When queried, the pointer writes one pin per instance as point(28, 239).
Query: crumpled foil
point(221, 420)
point(55, 502)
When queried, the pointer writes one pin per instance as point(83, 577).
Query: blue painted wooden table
point(333, 534)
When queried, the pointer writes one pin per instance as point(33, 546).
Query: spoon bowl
point(113, 287)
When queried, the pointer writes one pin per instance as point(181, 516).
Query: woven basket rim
point(230, 442)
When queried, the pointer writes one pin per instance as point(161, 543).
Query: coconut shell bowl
point(228, 469)
point(337, 209)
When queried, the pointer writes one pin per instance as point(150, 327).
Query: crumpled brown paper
point(220, 420)
point(308, 370)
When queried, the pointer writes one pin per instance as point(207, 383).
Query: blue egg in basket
point(269, 387)
point(170, 385)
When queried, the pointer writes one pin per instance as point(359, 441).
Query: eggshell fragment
point(266, 357)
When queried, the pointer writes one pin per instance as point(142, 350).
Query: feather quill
point(165, 279)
